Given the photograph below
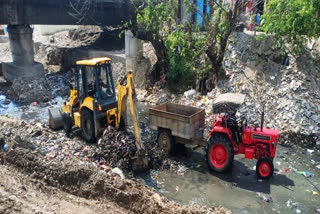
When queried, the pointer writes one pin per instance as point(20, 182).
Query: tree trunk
point(162, 65)
point(216, 54)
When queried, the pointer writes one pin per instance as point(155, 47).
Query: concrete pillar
point(134, 51)
point(23, 65)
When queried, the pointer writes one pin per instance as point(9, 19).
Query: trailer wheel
point(165, 141)
point(264, 168)
point(67, 123)
point(87, 126)
point(219, 153)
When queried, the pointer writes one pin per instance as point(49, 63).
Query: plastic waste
point(190, 93)
point(310, 151)
point(118, 172)
point(5, 147)
point(305, 173)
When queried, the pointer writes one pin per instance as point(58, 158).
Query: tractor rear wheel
point(220, 153)
point(264, 168)
point(67, 123)
point(87, 126)
point(165, 140)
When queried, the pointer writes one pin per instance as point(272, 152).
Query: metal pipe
point(262, 117)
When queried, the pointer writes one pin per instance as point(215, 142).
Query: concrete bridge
point(19, 14)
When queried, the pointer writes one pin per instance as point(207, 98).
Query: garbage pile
point(290, 92)
point(115, 149)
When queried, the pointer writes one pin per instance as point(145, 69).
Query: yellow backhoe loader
point(93, 104)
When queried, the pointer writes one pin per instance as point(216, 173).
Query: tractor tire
point(67, 123)
point(87, 126)
point(220, 153)
point(264, 168)
point(165, 141)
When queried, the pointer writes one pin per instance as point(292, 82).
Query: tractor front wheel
point(220, 153)
point(87, 126)
point(264, 168)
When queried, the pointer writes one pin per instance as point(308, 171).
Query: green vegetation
point(292, 21)
point(185, 53)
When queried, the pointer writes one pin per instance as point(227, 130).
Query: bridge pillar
point(23, 65)
point(134, 51)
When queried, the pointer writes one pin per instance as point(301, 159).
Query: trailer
point(177, 124)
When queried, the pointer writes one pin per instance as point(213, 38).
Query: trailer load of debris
point(229, 102)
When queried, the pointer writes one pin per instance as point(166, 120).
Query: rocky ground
point(25, 152)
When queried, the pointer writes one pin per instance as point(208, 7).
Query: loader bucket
point(55, 118)
point(140, 161)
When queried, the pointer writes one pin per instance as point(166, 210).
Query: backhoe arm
point(140, 159)
point(125, 91)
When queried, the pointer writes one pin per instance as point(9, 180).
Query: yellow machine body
point(112, 116)
point(91, 112)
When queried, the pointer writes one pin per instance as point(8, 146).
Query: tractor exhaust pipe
point(262, 117)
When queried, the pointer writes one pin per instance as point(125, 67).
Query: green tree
point(181, 48)
point(292, 21)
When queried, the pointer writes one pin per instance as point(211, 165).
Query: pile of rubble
point(290, 93)
point(30, 91)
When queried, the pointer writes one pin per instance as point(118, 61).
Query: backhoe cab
point(93, 103)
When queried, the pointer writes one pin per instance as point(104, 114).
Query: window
point(105, 82)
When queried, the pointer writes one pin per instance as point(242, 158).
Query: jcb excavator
point(93, 104)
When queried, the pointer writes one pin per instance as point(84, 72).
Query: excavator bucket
point(55, 118)
point(140, 161)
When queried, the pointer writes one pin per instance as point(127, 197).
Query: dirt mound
point(85, 34)
point(88, 182)
point(31, 90)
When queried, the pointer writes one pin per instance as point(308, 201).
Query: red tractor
point(228, 138)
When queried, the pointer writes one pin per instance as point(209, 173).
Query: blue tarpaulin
point(199, 13)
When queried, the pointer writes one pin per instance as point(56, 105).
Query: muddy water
point(241, 191)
